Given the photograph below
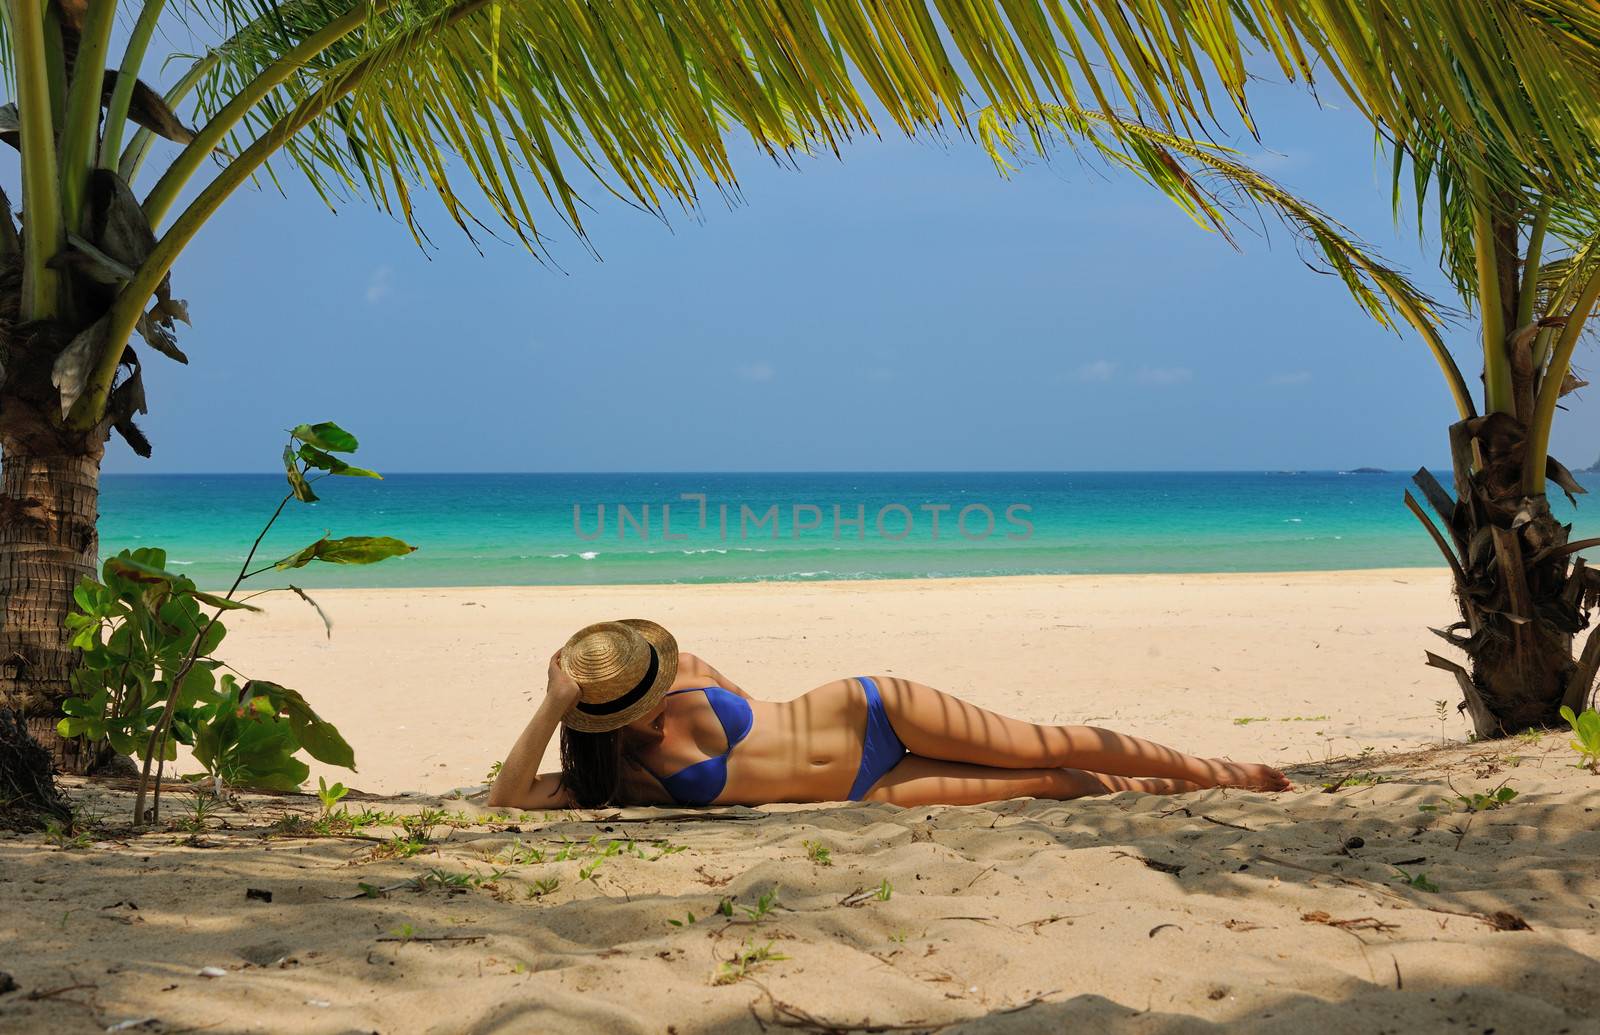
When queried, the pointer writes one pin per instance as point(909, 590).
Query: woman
point(645, 725)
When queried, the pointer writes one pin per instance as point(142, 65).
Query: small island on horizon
point(1368, 470)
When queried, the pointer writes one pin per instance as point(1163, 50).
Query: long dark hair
point(591, 766)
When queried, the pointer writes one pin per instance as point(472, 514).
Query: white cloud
point(380, 284)
point(1099, 370)
point(757, 372)
point(1164, 375)
point(1292, 377)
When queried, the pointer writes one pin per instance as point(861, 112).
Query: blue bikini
point(702, 783)
point(881, 749)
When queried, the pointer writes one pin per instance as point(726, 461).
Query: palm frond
point(1511, 87)
point(513, 98)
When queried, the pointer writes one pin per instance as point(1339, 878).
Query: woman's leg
point(929, 781)
point(936, 725)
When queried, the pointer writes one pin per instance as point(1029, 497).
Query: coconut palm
point(1491, 111)
point(499, 107)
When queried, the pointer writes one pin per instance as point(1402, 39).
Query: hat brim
point(666, 648)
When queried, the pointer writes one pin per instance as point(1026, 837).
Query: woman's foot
point(1250, 776)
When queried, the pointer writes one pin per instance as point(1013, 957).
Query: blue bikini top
point(701, 783)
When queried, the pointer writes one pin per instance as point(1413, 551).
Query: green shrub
point(149, 681)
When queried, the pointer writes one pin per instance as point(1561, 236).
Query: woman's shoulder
point(694, 672)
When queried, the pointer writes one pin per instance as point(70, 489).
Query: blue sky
point(904, 308)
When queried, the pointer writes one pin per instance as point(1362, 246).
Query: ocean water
point(522, 529)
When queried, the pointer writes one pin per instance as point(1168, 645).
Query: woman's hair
point(591, 766)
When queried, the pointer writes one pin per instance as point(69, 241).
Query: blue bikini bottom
point(881, 750)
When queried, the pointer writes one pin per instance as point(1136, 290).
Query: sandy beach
point(432, 685)
point(1341, 906)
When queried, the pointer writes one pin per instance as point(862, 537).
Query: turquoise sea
point(519, 529)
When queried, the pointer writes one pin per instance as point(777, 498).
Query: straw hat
point(622, 669)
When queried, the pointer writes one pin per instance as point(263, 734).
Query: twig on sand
point(787, 1015)
point(1500, 919)
point(432, 937)
point(1048, 920)
point(1209, 819)
point(1360, 923)
point(369, 891)
point(743, 813)
point(51, 993)
point(1154, 864)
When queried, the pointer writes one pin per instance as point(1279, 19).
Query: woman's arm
point(520, 785)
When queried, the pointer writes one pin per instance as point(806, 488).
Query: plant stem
point(176, 683)
point(1544, 411)
point(55, 63)
point(138, 148)
point(124, 313)
point(127, 77)
point(41, 204)
point(80, 130)
point(1497, 394)
point(165, 192)
point(1528, 294)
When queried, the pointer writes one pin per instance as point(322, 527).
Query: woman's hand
point(519, 784)
point(560, 689)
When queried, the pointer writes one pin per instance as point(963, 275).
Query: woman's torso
point(807, 749)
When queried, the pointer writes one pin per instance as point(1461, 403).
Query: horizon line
point(1364, 469)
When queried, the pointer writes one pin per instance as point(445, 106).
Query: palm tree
point(496, 105)
point(1491, 112)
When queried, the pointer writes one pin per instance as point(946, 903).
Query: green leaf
point(333, 465)
point(302, 557)
point(138, 570)
point(264, 757)
point(297, 481)
point(322, 741)
point(222, 602)
point(326, 435)
point(87, 596)
point(318, 736)
point(363, 549)
point(356, 549)
point(198, 683)
point(72, 727)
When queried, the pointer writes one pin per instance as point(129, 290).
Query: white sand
point(1247, 911)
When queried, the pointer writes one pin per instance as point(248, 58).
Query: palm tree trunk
point(49, 501)
point(1523, 598)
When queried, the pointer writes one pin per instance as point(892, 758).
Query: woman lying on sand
point(642, 724)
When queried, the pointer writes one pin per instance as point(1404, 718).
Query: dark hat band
point(630, 698)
